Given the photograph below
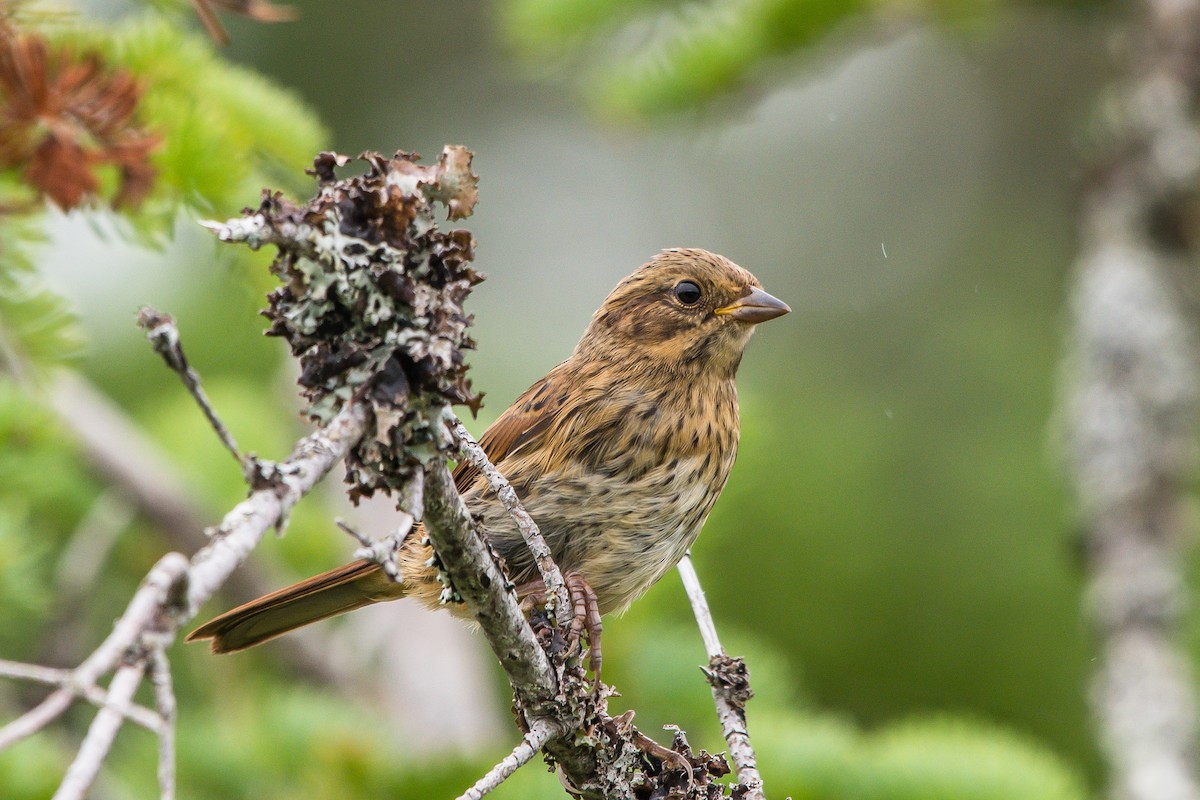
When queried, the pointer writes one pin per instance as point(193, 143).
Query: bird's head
point(685, 308)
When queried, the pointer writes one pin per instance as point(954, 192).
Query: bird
point(618, 454)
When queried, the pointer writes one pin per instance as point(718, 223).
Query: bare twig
point(164, 699)
point(100, 735)
point(160, 329)
point(551, 575)
point(521, 755)
point(122, 454)
point(381, 551)
point(149, 600)
point(93, 694)
point(172, 593)
point(730, 686)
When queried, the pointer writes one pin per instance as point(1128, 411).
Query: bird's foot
point(586, 614)
point(586, 608)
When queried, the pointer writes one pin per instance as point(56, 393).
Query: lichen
point(371, 301)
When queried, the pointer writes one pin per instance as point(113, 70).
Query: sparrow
point(618, 454)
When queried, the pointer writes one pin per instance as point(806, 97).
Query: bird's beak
point(756, 307)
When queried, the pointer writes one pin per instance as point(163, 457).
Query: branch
point(164, 699)
point(521, 755)
point(1131, 404)
point(551, 575)
point(267, 508)
point(381, 551)
point(163, 334)
point(170, 595)
point(100, 735)
point(730, 682)
point(153, 597)
point(548, 694)
point(64, 678)
point(122, 454)
point(476, 576)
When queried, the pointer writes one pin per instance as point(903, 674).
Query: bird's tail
point(346, 588)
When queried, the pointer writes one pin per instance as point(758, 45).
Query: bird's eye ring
point(688, 293)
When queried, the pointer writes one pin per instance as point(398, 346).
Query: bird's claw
point(586, 609)
point(585, 616)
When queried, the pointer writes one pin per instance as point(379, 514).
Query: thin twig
point(164, 335)
point(64, 678)
point(122, 455)
point(34, 672)
point(381, 551)
point(83, 770)
point(164, 699)
point(551, 575)
point(730, 686)
point(521, 755)
point(139, 615)
point(179, 586)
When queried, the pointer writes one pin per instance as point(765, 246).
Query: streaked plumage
point(618, 454)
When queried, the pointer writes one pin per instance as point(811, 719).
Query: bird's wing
point(522, 424)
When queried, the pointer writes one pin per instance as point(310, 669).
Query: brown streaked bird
point(618, 454)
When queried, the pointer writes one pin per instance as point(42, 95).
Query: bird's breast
point(623, 504)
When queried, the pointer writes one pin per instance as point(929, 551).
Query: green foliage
point(36, 325)
point(31, 769)
point(715, 50)
point(226, 131)
point(37, 328)
point(43, 493)
point(555, 28)
point(654, 59)
point(694, 54)
point(922, 759)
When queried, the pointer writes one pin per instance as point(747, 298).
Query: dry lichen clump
point(372, 300)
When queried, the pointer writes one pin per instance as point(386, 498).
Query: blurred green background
point(894, 553)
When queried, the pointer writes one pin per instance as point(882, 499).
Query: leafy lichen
point(371, 301)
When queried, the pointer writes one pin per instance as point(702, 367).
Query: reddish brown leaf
point(63, 115)
point(59, 168)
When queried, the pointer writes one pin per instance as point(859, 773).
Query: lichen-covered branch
point(477, 579)
point(730, 682)
point(1131, 405)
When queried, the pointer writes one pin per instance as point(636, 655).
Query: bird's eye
point(688, 293)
